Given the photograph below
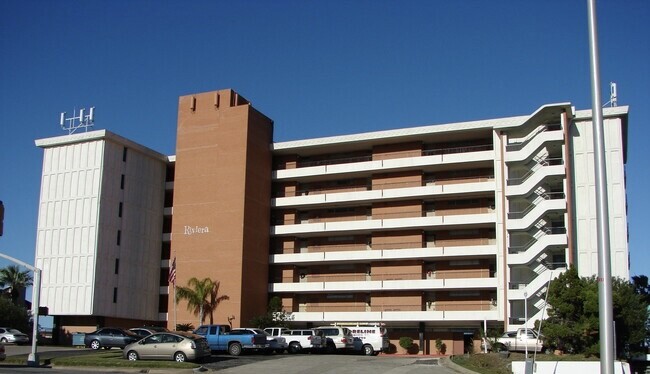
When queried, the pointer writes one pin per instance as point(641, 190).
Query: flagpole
point(172, 279)
point(175, 324)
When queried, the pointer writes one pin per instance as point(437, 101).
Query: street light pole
point(605, 309)
point(32, 358)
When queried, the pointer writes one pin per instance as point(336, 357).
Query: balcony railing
point(428, 181)
point(335, 161)
point(427, 152)
point(516, 146)
point(452, 150)
point(389, 215)
point(519, 285)
point(546, 230)
point(545, 196)
point(449, 306)
point(367, 277)
point(546, 162)
point(320, 248)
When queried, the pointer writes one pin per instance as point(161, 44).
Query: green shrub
point(184, 327)
point(406, 342)
point(440, 346)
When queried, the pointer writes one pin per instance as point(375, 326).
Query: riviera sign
point(189, 230)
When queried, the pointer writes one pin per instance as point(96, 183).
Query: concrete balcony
point(314, 200)
point(396, 316)
point(381, 166)
point(535, 250)
point(385, 285)
point(524, 187)
point(383, 255)
point(532, 216)
point(370, 225)
point(533, 145)
point(531, 288)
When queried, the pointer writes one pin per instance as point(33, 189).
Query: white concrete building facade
point(431, 230)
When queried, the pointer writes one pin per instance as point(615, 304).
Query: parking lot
point(276, 363)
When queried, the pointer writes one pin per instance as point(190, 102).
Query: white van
point(373, 336)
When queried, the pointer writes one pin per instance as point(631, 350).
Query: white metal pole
point(606, 313)
point(175, 322)
point(32, 358)
point(526, 323)
point(485, 343)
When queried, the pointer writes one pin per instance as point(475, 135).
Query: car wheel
point(368, 350)
point(234, 349)
point(295, 347)
point(4, 340)
point(132, 356)
point(180, 357)
point(95, 344)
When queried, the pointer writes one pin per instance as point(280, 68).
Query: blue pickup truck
point(220, 338)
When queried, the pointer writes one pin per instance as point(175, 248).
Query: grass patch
point(493, 363)
point(102, 359)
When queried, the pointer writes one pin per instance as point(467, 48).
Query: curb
point(448, 363)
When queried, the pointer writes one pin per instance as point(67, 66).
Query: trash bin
point(78, 338)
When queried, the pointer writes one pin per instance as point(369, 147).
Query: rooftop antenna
point(612, 95)
point(83, 120)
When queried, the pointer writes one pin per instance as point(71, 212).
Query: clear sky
point(317, 68)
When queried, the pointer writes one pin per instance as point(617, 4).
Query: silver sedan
point(177, 346)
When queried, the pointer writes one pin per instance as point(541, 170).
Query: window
point(119, 237)
point(153, 339)
point(117, 266)
point(122, 182)
point(114, 295)
point(124, 154)
point(119, 210)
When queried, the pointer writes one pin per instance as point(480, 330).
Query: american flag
point(172, 273)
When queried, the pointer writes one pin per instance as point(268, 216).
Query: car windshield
point(14, 331)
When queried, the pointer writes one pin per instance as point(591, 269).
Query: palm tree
point(202, 297)
point(14, 278)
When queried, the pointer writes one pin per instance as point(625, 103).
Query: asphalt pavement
point(244, 364)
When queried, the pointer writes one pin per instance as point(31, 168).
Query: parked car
point(338, 338)
point(2, 352)
point(177, 346)
point(220, 338)
point(9, 335)
point(148, 330)
point(109, 337)
point(521, 340)
point(299, 340)
point(276, 343)
point(374, 337)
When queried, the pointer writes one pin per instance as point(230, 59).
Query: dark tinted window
point(330, 332)
point(152, 339)
point(241, 332)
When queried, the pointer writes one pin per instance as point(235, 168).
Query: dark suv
point(109, 337)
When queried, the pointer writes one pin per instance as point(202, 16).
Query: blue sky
point(317, 68)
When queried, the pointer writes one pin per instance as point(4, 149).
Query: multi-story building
point(435, 231)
